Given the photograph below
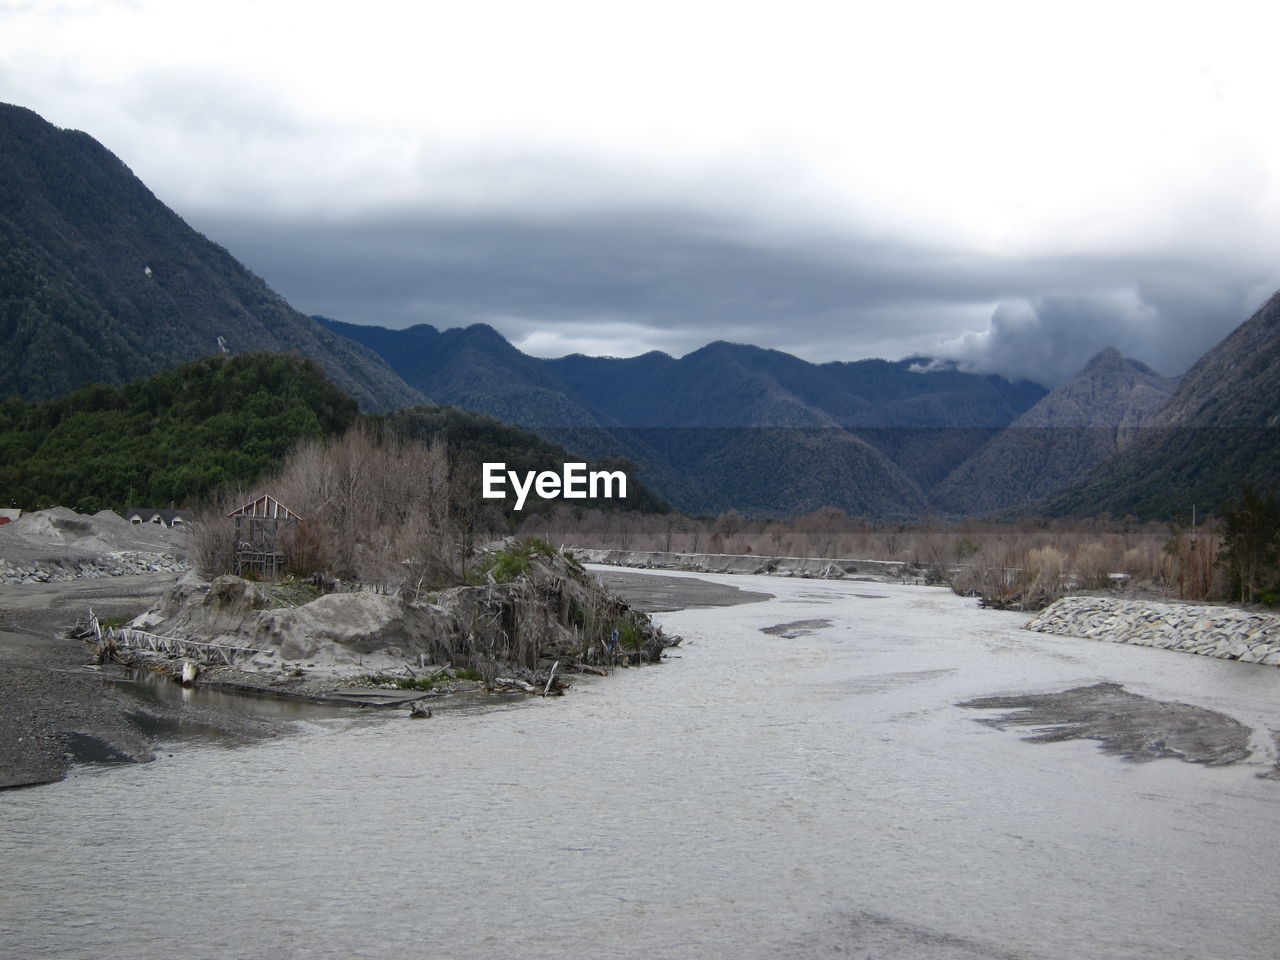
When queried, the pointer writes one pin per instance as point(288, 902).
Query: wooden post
point(550, 679)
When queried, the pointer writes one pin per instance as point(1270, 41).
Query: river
point(755, 796)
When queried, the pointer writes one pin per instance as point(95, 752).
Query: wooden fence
point(202, 650)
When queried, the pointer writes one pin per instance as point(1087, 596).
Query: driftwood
point(590, 668)
point(513, 682)
point(107, 651)
point(554, 686)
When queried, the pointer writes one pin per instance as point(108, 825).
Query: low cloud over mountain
point(672, 281)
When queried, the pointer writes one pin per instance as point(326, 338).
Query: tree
point(1250, 541)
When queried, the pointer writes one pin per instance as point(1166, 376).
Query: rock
point(1214, 631)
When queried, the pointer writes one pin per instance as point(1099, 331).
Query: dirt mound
point(552, 609)
point(60, 544)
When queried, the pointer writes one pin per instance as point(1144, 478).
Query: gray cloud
point(752, 209)
point(674, 281)
point(1166, 321)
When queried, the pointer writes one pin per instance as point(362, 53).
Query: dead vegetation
point(377, 510)
point(1024, 565)
point(387, 560)
point(374, 509)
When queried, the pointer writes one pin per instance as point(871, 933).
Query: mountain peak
point(483, 330)
point(1106, 357)
point(1214, 432)
point(1068, 432)
point(1110, 360)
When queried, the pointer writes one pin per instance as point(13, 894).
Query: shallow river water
point(757, 797)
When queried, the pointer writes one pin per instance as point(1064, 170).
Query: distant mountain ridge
point(738, 426)
point(100, 281)
point(728, 425)
point(652, 390)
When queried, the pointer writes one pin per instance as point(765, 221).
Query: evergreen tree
point(1250, 541)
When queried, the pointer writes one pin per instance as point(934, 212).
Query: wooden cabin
point(259, 536)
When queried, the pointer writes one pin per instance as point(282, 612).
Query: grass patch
point(512, 562)
point(629, 635)
point(292, 592)
point(508, 565)
point(423, 683)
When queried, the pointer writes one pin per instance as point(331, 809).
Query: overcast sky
point(1011, 185)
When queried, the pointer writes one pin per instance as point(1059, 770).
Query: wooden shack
point(259, 535)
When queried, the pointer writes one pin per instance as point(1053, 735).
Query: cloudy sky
point(1010, 185)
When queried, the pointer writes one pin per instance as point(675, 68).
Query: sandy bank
point(654, 593)
point(1132, 726)
point(818, 568)
point(55, 707)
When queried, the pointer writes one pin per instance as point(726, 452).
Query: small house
point(142, 515)
point(175, 518)
point(161, 518)
point(260, 526)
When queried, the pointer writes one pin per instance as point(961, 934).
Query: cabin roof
point(266, 506)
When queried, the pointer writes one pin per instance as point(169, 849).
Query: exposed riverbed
point(811, 792)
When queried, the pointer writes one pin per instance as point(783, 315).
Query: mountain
point(1058, 441)
point(100, 281)
point(184, 435)
point(1220, 428)
point(728, 425)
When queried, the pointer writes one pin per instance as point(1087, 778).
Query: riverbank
point(1227, 633)
point(654, 593)
point(814, 568)
point(58, 708)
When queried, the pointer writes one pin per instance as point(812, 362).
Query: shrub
point(1092, 566)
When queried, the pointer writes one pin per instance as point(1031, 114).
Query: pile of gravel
point(60, 544)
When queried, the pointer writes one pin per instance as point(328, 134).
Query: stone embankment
point(1223, 632)
point(121, 564)
point(818, 568)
